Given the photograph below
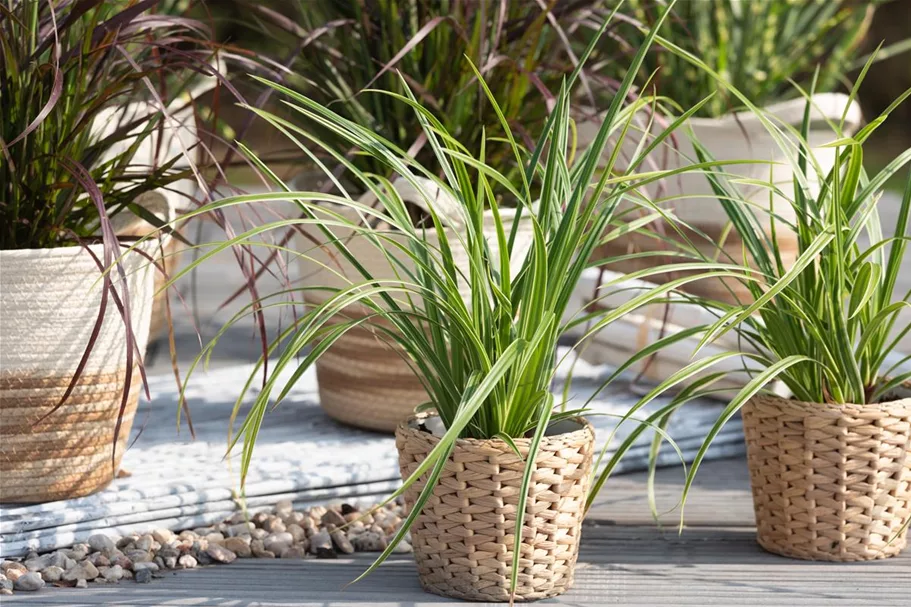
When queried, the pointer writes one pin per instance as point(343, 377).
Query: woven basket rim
point(811, 408)
point(585, 433)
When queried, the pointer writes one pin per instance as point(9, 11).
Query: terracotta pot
point(463, 538)
point(51, 300)
point(830, 482)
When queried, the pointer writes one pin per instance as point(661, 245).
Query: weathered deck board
point(625, 560)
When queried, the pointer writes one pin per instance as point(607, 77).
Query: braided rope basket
point(830, 482)
point(463, 539)
point(365, 381)
point(50, 300)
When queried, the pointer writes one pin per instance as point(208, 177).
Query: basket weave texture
point(365, 381)
point(830, 482)
point(463, 539)
point(50, 300)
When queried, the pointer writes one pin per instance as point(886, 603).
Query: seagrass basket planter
point(463, 538)
point(830, 482)
point(50, 301)
point(365, 378)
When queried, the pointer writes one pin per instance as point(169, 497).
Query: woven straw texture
point(50, 301)
point(830, 482)
point(364, 381)
point(463, 539)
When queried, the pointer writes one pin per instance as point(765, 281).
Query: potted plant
point(496, 472)
point(830, 462)
point(831, 466)
point(76, 301)
point(770, 51)
point(344, 49)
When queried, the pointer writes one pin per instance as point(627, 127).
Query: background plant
point(757, 47)
point(63, 65)
point(345, 47)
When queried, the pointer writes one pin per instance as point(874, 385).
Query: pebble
point(333, 517)
point(239, 547)
point(83, 571)
point(126, 541)
point(29, 582)
point(259, 550)
point(112, 574)
point(98, 559)
point(143, 576)
point(283, 532)
point(219, 554)
point(341, 541)
point(101, 543)
point(403, 547)
point(295, 518)
point(54, 559)
point(13, 570)
point(278, 542)
point(321, 545)
point(240, 529)
point(144, 543)
point(53, 574)
point(297, 533)
point(163, 536)
point(274, 525)
point(5, 591)
point(139, 556)
point(369, 541)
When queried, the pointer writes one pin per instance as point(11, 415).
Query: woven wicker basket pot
point(830, 482)
point(50, 301)
point(366, 380)
point(463, 538)
point(732, 137)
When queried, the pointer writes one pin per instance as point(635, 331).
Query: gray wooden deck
point(625, 560)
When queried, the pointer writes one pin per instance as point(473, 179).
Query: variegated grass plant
point(488, 360)
point(828, 326)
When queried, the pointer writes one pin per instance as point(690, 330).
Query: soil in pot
point(463, 539)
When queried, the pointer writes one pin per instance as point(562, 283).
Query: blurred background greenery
point(310, 37)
